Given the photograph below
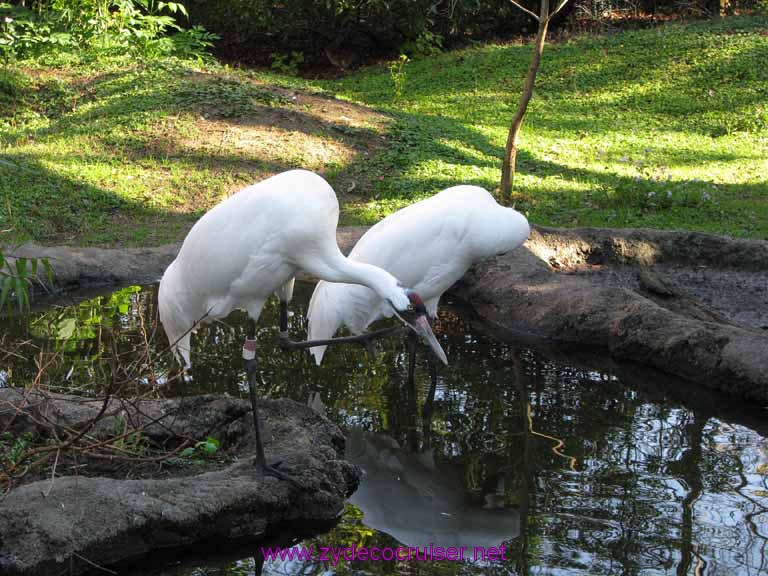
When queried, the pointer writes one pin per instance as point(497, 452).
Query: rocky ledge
point(68, 524)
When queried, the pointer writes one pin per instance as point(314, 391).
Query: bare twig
point(524, 9)
point(53, 475)
point(91, 563)
point(557, 9)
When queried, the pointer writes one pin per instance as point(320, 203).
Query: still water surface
point(576, 465)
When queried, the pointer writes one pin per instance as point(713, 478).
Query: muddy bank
point(91, 267)
point(689, 304)
point(47, 527)
point(87, 267)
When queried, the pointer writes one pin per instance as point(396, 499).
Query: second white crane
point(429, 246)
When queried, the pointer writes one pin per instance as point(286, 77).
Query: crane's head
point(414, 315)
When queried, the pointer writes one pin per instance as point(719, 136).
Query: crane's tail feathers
point(180, 341)
point(324, 317)
point(318, 352)
point(181, 350)
point(171, 316)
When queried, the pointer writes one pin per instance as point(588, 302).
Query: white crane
point(428, 245)
point(252, 245)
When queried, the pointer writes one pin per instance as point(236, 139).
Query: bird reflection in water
point(408, 496)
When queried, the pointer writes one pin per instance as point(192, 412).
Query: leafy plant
point(17, 276)
point(132, 442)
point(287, 63)
point(425, 44)
point(148, 28)
point(194, 42)
point(7, 38)
point(74, 325)
point(201, 450)
point(398, 74)
point(13, 448)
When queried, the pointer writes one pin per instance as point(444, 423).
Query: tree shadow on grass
point(54, 208)
point(145, 178)
point(642, 193)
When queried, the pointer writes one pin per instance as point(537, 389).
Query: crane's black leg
point(411, 346)
point(249, 355)
point(258, 564)
point(283, 319)
point(365, 339)
point(429, 403)
point(411, 343)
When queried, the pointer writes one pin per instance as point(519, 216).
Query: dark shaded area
point(346, 35)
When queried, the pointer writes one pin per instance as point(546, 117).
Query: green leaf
point(48, 270)
point(187, 452)
point(20, 291)
point(209, 447)
point(66, 329)
point(21, 267)
point(5, 289)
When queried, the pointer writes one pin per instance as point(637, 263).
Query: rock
point(49, 528)
point(83, 267)
point(585, 286)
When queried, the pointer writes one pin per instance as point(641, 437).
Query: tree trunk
point(510, 152)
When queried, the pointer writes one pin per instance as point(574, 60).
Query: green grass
point(125, 152)
point(665, 128)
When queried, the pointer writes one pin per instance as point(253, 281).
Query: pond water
point(575, 465)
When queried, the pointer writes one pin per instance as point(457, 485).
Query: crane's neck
point(341, 269)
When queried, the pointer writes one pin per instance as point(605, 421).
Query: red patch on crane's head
point(416, 302)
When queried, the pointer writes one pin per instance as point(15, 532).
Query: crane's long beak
point(421, 326)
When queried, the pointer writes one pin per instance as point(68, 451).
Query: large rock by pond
point(51, 527)
point(689, 304)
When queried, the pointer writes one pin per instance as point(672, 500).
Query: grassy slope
point(663, 128)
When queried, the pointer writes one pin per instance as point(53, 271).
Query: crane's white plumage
point(251, 245)
point(428, 245)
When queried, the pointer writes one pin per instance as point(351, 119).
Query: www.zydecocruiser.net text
point(334, 555)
